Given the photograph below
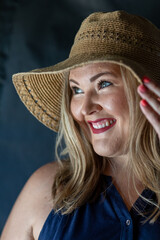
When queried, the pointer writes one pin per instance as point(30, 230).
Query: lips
point(102, 125)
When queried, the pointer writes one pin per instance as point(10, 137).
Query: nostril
point(91, 109)
point(92, 112)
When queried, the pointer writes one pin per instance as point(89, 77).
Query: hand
point(150, 103)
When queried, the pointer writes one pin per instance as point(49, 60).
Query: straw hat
point(117, 37)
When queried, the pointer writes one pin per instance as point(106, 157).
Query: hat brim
point(41, 89)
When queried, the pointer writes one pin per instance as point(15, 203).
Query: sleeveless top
point(106, 219)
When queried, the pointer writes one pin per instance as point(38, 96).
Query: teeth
point(107, 123)
point(104, 124)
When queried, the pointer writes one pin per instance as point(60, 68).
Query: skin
point(94, 100)
point(34, 202)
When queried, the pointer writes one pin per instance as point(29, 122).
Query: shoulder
point(32, 205)
point(42, 179)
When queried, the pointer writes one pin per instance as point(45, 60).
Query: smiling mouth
point(101, 125)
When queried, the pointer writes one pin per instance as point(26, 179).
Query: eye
point(76, 90)
point(103, 84)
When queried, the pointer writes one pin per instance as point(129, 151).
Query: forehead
point(94, 68)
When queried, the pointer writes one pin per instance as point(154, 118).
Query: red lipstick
point(99, 126)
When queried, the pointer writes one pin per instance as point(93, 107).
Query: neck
point(116, 166)
point(123, 181)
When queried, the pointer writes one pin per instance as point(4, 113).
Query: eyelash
point(103, 81)
point(99, 87)
point(74, 90)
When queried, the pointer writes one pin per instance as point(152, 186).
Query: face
point(99, 106)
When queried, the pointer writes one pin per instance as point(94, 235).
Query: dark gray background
point(33, 34)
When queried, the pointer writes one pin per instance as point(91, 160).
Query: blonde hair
point(144, 145)
point(79, 177)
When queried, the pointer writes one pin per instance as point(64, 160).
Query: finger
point(154, 87)
point(151, 115)
point(148, 96)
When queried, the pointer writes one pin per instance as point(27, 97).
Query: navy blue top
point(107, 218)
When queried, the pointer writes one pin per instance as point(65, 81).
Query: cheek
point(123, 105)
point(117, 104)
point(75, 111)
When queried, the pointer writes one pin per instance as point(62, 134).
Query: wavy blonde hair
point(79, 178)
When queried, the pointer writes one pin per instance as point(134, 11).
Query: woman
point(105, 184)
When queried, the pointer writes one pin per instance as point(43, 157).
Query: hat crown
point(99, 29)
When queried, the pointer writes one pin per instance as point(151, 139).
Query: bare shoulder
point(32, 205)
point(42, 179)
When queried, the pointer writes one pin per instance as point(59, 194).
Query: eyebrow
point(92, 79)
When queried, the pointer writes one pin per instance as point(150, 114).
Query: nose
point(90, 105)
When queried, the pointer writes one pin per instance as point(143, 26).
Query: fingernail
point(146, 79)
point(142, 88)
point(144, 103)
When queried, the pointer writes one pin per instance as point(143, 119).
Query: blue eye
point(103, 84)
point(76, 90)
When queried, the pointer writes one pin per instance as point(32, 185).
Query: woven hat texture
point(117, 37)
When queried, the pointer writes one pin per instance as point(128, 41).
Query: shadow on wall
point(36, 34)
